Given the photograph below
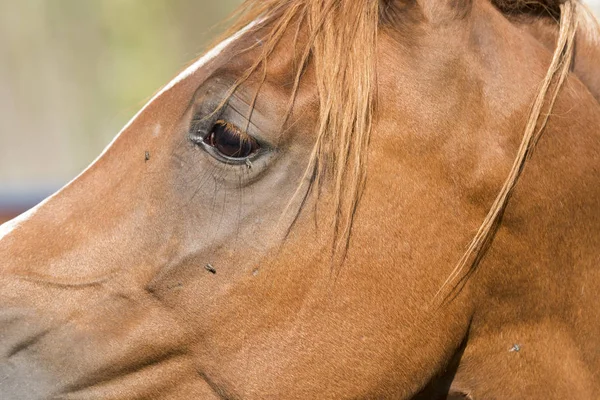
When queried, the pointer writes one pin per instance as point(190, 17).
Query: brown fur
point(170, 278)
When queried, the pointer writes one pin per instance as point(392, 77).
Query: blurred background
point(73, 72)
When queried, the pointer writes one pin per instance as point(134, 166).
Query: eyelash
point(229, 142)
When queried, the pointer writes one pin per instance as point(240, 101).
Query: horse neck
point(551, 230)
point(541, 276)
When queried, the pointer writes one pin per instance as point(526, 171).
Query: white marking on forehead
point(10, 226)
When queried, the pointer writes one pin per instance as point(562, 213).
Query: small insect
point(147, 156)
point(248, 164)
point(515, 348)
point(210, 269)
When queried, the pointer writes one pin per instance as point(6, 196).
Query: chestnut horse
point(366, 199)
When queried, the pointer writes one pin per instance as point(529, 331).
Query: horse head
point(287, 217)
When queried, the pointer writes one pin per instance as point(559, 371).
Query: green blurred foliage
point(72, 72)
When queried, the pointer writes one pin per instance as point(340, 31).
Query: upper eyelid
point(205, 109)
point(244, 117)
point(246, 125)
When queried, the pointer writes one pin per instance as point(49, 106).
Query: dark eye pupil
point(230, 141)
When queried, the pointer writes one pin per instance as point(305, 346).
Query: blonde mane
point(342, 47)
point(342, 43)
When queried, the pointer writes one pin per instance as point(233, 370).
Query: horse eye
point(231, 141)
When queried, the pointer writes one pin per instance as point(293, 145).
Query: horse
point(367, 199)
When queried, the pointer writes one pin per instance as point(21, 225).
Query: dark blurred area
point(73, 72)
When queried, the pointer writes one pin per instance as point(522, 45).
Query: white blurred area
point(72, 72)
